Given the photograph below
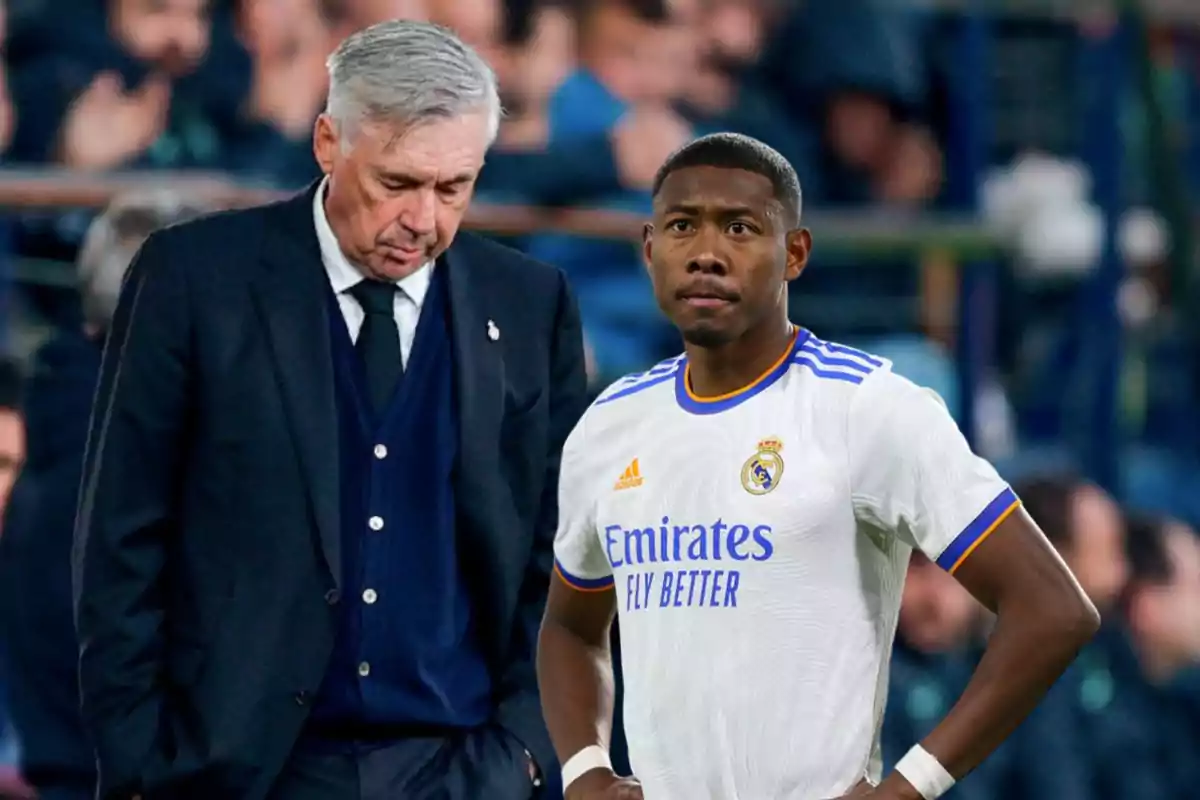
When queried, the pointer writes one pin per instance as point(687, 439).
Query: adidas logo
point(630, 478)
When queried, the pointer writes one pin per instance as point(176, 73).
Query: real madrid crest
point(762, 471)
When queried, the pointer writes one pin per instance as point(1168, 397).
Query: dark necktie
point(378, 340)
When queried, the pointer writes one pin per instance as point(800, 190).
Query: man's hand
point(604, 784)
point(108, 126)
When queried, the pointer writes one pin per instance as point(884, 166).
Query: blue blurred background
point(1003, 197)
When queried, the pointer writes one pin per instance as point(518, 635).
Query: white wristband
point(589, 758)
point(925, 773)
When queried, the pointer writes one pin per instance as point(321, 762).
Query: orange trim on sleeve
point(590, 589)
point(983, 536)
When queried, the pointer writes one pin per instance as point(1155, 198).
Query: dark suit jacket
point(207, 548)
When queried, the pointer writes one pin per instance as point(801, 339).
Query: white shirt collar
point(342, 274)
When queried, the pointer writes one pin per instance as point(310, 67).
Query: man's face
point(170, 34)
point(1097, 552)
point(396, 198)
point(12, 452)
point(720, 252)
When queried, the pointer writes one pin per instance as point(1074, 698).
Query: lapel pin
point(492, 331)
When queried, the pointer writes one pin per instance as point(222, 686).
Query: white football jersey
point(758, 544)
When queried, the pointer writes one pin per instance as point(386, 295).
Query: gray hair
point(113, 239)
point(405, 72)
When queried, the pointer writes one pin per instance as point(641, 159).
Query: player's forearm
point(575, 679)
point(1029, 649)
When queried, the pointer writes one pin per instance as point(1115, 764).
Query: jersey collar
point(714, 405)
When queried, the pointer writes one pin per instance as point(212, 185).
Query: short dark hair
point(736, 151)
point(1049, 499)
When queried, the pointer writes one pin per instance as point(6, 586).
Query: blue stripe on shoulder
point(639, 381)
point(833, 350)
point(835, 362)
point(819, 370)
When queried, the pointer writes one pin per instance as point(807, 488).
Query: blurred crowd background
point(1004, 201)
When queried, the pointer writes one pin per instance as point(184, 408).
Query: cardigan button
point(375, 523)
point(332, 597)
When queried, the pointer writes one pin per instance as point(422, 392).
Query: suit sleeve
point(127, 516)
point(914, 474)
point(520, 711)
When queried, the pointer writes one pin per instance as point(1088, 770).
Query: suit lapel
point(290, 295)
point(480, 377)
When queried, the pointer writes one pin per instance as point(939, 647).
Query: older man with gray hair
point(315, 529)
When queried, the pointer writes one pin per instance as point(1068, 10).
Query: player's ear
point(799, 245)
point(647, 242)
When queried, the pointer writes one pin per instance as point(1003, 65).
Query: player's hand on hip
point(603, 784)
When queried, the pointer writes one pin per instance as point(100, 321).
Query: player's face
point(721, 252)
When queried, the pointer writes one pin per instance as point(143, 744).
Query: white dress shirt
point(343, 276)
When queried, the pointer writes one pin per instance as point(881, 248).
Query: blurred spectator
point(623, 90)
point(480, 23)
point(6, 106)
point(855, 70)
point(1091, 738)
point(131, 83)
point(1162, 606)
point(12, 454)
point(1085, 525)
point(721, 90)
point(348, 16)
point(542, 52)
point(35, 605)
point(934, 656)
point(12, 430)
point(288, 41)
point(1162, 600)
point(849, 78)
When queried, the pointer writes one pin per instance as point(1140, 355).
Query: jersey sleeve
point(579, 558)
point(913, 473)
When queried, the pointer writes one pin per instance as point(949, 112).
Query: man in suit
point(319, 495)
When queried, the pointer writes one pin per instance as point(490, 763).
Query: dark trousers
point(480, 765)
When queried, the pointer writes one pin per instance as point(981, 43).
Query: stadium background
point(1002, 194)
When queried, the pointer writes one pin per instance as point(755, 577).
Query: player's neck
point(716, 371)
